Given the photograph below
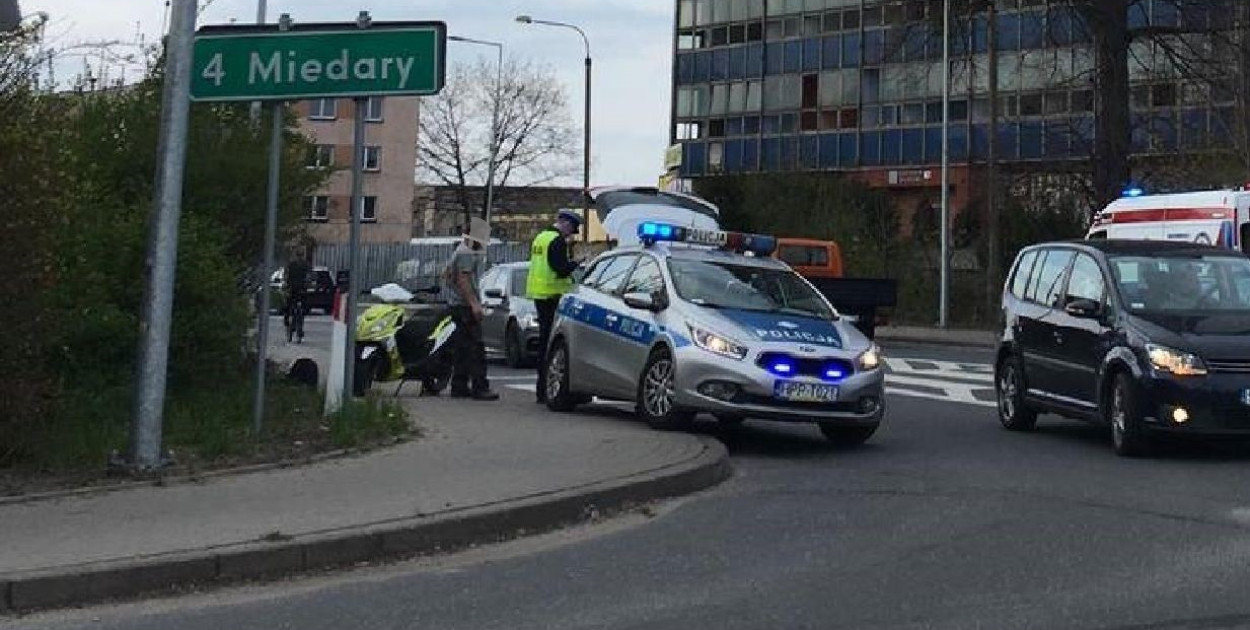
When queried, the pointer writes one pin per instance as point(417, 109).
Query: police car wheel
point(559, 398)
point(847, 436)
point(656, 402)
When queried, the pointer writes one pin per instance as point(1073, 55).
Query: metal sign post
point(271, 229)
point(357, 203)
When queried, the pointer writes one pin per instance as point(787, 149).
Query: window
point(1046, 283)
point(646, 278)
point(519, 278)
point(369, 209)
point(323, 109)
point(317, 207)
point(321, 156)
point(1085, 281)
point(1024, 273)
point(613, 273)
point(373, 159)
point(373, 109)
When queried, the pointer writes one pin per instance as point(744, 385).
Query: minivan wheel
point(1128, 435)
point(1013, 412)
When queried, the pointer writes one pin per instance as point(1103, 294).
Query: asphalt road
point(943, 520)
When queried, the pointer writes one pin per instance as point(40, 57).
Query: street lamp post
point(495, 140)
point(525, 19)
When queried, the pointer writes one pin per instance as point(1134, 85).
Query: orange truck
point(821, 263)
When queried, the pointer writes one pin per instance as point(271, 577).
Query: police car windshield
point(1183, 283)
point(745, 287)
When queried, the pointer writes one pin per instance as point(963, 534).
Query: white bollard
point(338, 342)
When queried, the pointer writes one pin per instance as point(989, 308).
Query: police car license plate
point(795, 391)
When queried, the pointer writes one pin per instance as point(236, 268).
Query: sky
point(630, 40)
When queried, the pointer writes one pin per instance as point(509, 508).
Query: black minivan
point(1148, 337)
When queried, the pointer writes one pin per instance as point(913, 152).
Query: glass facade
point(768, 85)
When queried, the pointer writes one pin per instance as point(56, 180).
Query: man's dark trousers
point(469, 354)
point(546, 316)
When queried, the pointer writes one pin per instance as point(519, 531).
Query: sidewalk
point(481, 473)
point(947, 337)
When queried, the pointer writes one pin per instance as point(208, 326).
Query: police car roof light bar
point(651, 232)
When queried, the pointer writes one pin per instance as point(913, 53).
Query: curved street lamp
point(525, 19)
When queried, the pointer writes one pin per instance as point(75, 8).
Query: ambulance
point(1214, 217)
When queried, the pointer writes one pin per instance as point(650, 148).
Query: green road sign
point(251, 63)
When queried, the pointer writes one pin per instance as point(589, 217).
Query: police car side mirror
point(644, 301)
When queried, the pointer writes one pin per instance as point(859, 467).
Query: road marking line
point(915, 394)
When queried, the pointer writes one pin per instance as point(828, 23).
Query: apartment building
point(390, 157)
point(855, 86)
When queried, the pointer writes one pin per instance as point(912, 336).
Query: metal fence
point(411, 266)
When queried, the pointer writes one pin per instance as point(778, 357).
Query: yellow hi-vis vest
point(542, 282)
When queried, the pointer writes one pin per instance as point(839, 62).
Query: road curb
point(422, 534)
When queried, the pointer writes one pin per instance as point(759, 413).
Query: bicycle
point(296, 310)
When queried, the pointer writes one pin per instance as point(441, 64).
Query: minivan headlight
point(716, 344)
point(1175, 362)
point(870, 359)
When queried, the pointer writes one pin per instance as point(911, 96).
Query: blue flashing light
point(650, 232)
point(781, 367)
point(1134, 191)
point(834, 374)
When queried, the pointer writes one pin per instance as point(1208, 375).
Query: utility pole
point(145, 429)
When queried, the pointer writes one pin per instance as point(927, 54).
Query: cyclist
point(296, 283)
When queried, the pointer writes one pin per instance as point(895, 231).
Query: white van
point(1214, 217)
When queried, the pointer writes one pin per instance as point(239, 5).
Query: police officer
point(551, 268)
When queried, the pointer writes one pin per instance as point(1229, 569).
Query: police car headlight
point(716, 344)
point(870, 359)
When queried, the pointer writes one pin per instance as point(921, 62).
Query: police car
point(702, 320)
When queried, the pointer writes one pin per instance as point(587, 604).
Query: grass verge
point(208, 426)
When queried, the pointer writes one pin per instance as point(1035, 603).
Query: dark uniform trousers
point(546, 316)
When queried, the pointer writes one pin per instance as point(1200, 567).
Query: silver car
point(680, 329)
point(510, 325)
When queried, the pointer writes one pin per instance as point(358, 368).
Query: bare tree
point(537, 142)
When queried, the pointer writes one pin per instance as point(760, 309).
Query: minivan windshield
point(1183, 283)
point(727, 285)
